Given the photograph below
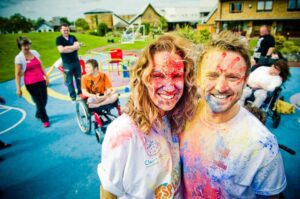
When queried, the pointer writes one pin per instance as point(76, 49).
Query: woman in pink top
point(28, 62)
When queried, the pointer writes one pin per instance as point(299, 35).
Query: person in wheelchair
point(263, 80)
point(96, 86)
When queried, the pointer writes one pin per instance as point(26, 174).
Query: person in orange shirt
point(96, 86)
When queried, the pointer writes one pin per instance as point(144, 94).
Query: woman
point(28, 62)
point(140, 153)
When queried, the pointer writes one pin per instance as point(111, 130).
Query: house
point(45, 28)
point(97, 16)
point(150, 15)
point(184, 15)
point(147, 15)
point(282, 16)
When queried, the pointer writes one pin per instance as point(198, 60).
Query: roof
point(142, 12)
point(211, 13)
point(98, 11)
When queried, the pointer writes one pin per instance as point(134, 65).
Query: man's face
point(222, 79)
point(65, 31)
point(263, 31)
point(89, 69)
point(166, 83)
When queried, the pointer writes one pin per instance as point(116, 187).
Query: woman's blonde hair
point(140, 107)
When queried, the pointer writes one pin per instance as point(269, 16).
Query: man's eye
point(233, 78)
point(212, 76)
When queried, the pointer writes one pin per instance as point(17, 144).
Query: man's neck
point(222, 117)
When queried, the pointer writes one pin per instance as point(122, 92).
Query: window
point(263, 6)
point(294, 5)
point(236, 7)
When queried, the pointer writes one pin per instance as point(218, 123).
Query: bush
point(102, 29)
point(201, 36)
point(279, 40)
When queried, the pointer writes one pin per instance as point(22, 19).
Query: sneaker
point(46, 124)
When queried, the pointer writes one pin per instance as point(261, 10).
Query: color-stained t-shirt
point(136, 165)
point(236, 159)
point(96, 84)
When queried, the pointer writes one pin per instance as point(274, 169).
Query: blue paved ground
point(60, 161)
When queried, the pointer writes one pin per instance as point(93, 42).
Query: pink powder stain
point(120, 139)
point(233, 62)
point(219, 67)
point(220, 164)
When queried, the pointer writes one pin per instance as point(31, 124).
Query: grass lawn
point(44, 43)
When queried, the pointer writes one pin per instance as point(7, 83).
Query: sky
point(74, 9)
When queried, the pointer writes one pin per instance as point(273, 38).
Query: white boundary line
point(16, 124)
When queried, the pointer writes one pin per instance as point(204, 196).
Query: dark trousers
point(73, 69)
point(38, 92)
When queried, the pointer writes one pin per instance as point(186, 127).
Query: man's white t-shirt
point(136, 165)
point(236, 159)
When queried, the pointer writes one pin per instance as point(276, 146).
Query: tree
point(82, 24)
point(102, 29)
point(39, 22)
point(164, 24)
point(65, 20)
point(18, 22)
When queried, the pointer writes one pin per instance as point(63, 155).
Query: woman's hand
point(19, 92)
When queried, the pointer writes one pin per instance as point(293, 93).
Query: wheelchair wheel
point(276, 117)
point(100, 132)
point(83, 117)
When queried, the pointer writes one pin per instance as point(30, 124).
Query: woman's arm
point(105, 194)
point(18, 74)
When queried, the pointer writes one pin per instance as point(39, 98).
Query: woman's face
point(25, 47)
point(166, 83)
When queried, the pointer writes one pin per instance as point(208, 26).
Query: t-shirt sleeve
point(115, 151)
point(84, 82)
point(75, 39)
point(58, 41)
point(18, 60)
point(107, 82)
point(271, 42)
point(270, 179)
point(273, 84)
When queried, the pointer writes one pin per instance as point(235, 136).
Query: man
point(265, 44)
point(68, 47)
point(225, 151)
point(97, 86)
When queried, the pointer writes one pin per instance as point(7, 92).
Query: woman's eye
point(157, 75)
point(178, 75)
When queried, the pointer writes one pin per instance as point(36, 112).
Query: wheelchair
point(99, 117)
point(268, 105)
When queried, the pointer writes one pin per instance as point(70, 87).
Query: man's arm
point(270, 51)
point(68, 49)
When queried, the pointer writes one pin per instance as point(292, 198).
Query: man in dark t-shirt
point(68, 47)
point(265, 44)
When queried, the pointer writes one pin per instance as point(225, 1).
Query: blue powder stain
point(215, 107)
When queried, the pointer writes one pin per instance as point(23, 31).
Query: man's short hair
point(64, 25)
point(93, 62)
point(227, 41)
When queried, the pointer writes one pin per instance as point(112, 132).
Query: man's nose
point(221, 84)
